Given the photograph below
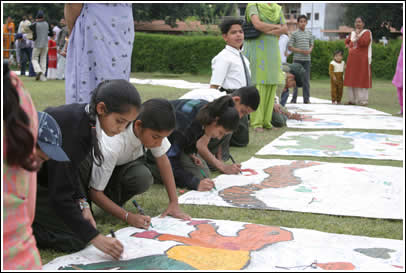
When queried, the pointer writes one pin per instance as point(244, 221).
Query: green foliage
point(52, 12)
point(378, 17)
point(174, 54)
point(193, 54)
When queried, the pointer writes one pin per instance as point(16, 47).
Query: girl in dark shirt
point(197, 121)
point(63, 219)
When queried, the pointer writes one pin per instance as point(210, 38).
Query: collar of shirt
point(233, 50)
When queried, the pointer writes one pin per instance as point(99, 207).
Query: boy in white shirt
point(230, 68)
point(125, 172)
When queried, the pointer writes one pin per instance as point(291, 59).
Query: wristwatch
point(83, 205)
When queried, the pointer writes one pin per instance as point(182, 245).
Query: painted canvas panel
point(309, 186)
point(204, 244)
point(337, 144)
point(347, 121)
point(332, 109)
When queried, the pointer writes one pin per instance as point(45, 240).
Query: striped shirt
point(301, 40)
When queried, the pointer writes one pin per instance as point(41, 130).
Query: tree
point(52, 12)
point(378, 17)
point(207, 13)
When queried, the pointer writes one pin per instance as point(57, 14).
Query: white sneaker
point(43, 78)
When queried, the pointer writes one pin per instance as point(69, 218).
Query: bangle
point(126, 216)
point(84, 205)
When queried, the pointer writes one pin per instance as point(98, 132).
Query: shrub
point(193, 54)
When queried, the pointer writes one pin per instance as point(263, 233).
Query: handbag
point(250, 32)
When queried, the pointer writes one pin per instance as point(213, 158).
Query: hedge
point(193, 54)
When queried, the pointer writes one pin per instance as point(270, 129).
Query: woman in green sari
point(264, 57)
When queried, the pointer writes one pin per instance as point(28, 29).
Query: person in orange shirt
point(8, 37)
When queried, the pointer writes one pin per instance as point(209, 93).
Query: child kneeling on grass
point(125, 172)
point(63, 219)
point(197, 121)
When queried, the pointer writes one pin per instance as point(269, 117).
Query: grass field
point(381, 97)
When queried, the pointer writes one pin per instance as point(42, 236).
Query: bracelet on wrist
point(83, 205)
point(126, 216)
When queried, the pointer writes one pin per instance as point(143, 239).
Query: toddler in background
point(336, 72)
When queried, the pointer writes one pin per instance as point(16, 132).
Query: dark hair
point(338, 51)
point(227, 23)
point(249, 96)
point(360, 17)
point(118, 96)
point(157, 115)
point(19, 138)
point(300, 17)
point(222, 110)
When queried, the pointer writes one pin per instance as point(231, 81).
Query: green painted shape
point(156, 262)
point(387, 183)
point(303, 189)
point(325, 142)
point(381, 253)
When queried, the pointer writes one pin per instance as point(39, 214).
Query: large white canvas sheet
point(337, 144)
point(172, 83)
point(347, 121)
point(332, 109)
point(206, 244)
point(309, 186)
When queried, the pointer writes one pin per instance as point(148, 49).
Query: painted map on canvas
point(332, 109)
point(204, 244)
point(337, 144)
point(347, 121)
point(309, 186)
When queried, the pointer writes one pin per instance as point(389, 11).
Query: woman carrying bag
point(265, 61)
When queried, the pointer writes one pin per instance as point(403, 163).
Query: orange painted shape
point(337, 266)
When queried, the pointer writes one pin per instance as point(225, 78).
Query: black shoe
point(307, 102)
point(293, 101)
point(38, 76)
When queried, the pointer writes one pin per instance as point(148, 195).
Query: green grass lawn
point(382, 97)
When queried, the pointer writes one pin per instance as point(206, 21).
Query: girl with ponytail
point(63, 219)
point(197, 121)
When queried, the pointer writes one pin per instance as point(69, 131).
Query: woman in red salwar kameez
point(358, 78)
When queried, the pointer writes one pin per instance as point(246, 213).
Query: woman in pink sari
point(398, 79)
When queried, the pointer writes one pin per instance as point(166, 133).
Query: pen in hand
point(205, 176)
point(140, 210)
point(232, 159)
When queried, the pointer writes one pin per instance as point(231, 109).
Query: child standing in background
point(336, 72)
point(52, 58)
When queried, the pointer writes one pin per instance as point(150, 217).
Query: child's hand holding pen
point(205, 184)
point(142, 220)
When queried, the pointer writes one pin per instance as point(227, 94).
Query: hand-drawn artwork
point(337, 144)
point(205, 244)
point(347, 121)
point(248, 172)
point(309, 186)
point(330, 109)
point(279, 176)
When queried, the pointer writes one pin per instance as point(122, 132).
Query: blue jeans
point(306, 82)
point(284, 96)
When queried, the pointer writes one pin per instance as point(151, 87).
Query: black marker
point(232, 159)
point(140, 210)
point(112, 234)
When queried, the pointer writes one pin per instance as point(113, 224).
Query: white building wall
point(315, 26)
